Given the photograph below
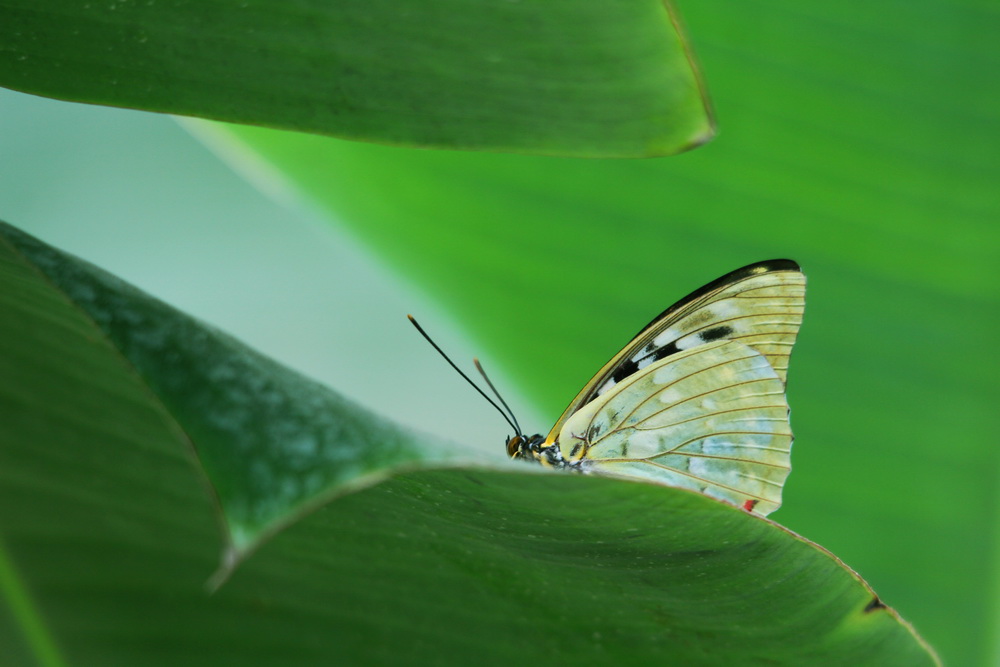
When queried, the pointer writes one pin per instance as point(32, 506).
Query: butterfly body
point(697, 398)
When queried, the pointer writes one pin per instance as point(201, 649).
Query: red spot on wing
point(750, 504)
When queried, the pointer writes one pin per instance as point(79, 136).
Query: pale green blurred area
point(137, 195)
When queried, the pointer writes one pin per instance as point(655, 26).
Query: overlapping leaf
point(559, 77)
point(107, 390)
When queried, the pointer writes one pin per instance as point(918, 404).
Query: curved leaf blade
point(270, 440)
point(584, 570)
point(98, 493)
point(564, 78)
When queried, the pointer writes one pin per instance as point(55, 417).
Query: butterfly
point(697, 399)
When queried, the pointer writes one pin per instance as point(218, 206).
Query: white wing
point(712, 418)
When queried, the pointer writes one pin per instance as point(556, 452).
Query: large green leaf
point(270, 440)
point(610, 78)
point(859, 146)
point(108, 531)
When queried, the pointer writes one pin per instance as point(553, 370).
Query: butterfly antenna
point(479, 367)
point(513, 423)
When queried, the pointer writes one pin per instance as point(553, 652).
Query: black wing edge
point(768, 265)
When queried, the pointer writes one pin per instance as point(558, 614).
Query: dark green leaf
point(270, 440)
point(610, 78)
point(109, 532)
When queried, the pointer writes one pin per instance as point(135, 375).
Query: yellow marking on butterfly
point(697, 399)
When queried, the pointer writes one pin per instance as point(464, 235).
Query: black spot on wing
point(624, 370)
point(666, 350)
point(629, 367)
point(654, 353)
point(715, 333)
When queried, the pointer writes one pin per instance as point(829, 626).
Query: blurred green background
point(857, 138)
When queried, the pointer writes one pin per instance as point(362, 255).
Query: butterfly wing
point(712, 418)
point(759, 305)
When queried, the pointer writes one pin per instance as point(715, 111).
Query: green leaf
point(568, 78)
point(109, 533)
point(270, 440)
point(859, 147)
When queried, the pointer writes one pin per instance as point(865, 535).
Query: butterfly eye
point(514, 446)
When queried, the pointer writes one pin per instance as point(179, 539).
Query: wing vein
point(710, 435)
point(726, 458)
point(684, 400)
point(723, 412)
point(692, 476)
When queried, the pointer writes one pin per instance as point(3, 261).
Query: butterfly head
point(524, 447)
point(520, 446)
